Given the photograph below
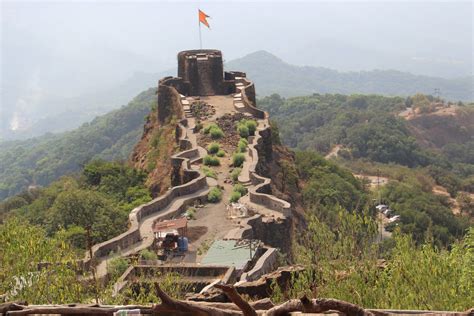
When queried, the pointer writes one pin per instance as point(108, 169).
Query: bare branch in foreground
point(318, 305)
point(235, 298)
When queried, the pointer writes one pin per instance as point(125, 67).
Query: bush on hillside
point(209, 172)
point(146, 254)
point(234, 175)
point(242, 145)
point(238, 159)
point(234, 197)
point(211, 161)
point(214, 195)
point(243, 130)
point(240, 188)
point(213, 148)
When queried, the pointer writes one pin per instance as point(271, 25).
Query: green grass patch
point(209, 172)
point(238, 159)
point(211, 161)
point(243, 130)
point(234, 197)
point(213, 148)
point(146, 254)
point(234, 175)
point(246, 128)
point(214, 195)
point(214, 131)
point(191, 213)
point(240, 188)
point(242, 146)
point(220, 153)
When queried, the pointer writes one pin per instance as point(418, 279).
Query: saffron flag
point(203, 18)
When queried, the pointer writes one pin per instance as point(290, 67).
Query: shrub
point(240, 188)
point(214, 130)
point(216, 133)
point(209, 172)
point(220, 153)
point(213, 148)
point(198, 127)
point(211, 161)
point(243, 130)
point(146, 254)
point(252, 126)
point(214, 195)
point(208, 128)
point(191, 213)
point(238, 159)
point(242, 146)
point(235, 174)
point(234, 197)
point(116, 267)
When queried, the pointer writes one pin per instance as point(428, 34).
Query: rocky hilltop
point(210, 152)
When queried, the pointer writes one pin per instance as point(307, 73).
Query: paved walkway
point(146, 225)
point(213, 216)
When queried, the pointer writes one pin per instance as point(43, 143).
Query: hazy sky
point(72, 47)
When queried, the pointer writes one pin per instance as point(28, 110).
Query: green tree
point(37, 268)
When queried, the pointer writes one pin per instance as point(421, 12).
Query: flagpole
point(200, 38)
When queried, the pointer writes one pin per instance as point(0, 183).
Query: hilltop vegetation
point(370, 132)
point(369, 128)
point(97, 199)
point(41, 160)
point(272, 75)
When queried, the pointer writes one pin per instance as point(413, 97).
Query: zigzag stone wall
point(196, 180)
point(260, 192)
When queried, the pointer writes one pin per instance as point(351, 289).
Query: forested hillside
point(273, 75)
point(41, 160)
point(374, 140)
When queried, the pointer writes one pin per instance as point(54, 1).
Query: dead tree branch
point(318, 305)
point(235, 298)
point(169, 304)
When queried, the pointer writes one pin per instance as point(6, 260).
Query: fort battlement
point(203, 71)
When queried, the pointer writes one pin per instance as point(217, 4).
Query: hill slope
point(273, 75)
point(43, 159)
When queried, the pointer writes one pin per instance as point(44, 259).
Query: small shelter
point(175, 226)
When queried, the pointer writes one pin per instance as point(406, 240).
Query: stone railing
point(196, 181)
point(187, 271)
point(265, 264)
point(244, 99)
point(260, 191)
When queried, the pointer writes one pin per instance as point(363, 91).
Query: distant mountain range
point(273, 75)
point(43, 159)
point(270, 74)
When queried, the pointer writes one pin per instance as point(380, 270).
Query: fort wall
point(203, 72)
point(195, 181)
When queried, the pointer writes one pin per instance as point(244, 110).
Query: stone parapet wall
point(196, 181)
point(265, 264)
point(268, 230)
point(260, 193)
point(169, 101)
